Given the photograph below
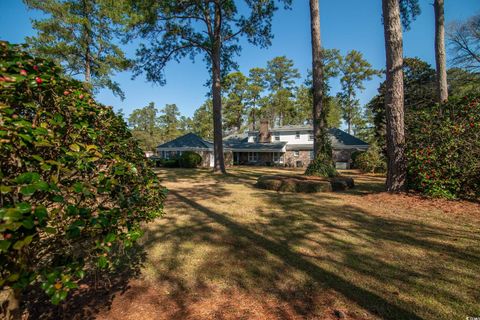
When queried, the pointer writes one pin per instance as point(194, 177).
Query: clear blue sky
point(346, 25)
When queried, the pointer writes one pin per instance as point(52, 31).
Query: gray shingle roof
point(245, 145)
point(189, 140)
point(300, 147)
point(340, 137)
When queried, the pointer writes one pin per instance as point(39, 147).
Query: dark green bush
point(189, 159)
point(170, 163)
point(354, 157)
point(372, 160)
point(75, 187)
point(321, 167)
point(443, 149)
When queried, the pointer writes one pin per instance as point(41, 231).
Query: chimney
point(263, 135)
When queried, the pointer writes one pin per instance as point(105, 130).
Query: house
point(290, 146)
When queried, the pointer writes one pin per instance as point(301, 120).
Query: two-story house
point(290, 146)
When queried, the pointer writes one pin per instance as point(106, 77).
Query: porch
point(259, 158)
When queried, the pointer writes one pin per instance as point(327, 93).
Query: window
point(277, 136)
point(311, 155)
point(275, 157)
point(252, 156)
point(310, 137)
point(297, 135)
point(296, 153)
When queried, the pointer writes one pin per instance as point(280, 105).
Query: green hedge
point(75, 187)
point(189, 159)
point(443, 149)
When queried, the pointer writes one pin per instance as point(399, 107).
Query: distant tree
point(281, 73)
point(185, 125)
point(145, 127)
point(235, 106)
point(202, 123)
point(334, 117)
point(440, 56)
point(303, 105)
point(256, 85)
point(396, 12)
point(464, 43)
point(79, 35)
point(169, 121)
point(354, 70)
point(281, 76)
point(176, 29)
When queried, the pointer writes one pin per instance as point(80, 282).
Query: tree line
point(173, 30)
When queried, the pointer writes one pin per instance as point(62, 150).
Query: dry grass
point(227, 250)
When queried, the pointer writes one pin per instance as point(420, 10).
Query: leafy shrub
point(354, 157)
point(443, 149)
point(371, 160)
point(321, 167)
point(189, 159)
point(170, 163)
point(75, 187)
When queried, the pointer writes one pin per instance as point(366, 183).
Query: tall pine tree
point(179, 29)
point(80, 34)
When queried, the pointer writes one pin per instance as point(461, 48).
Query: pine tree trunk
point(319, 123)
point(219, 165)
point(394, 98)
point(440, 56)
point(87, 65)
point(87, 39)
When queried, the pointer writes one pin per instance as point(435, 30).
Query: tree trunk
point(87, 65)
point(349, 122)
point(440, 56)
point(87, 35)
point(219, 165)
point(394, 97)
point(318, 116)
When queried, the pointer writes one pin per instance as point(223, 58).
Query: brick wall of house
point(291, 160)
point(342, 155)
point(205, 158)
point(304, 157)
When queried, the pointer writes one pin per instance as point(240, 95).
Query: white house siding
point(291, 138)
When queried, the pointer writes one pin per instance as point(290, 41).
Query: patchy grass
point(227, 250)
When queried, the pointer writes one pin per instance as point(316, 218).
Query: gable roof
point(340, 137)
point(189, 140)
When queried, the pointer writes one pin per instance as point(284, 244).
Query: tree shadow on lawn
point(258, 258)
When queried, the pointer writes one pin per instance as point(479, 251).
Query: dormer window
point(297, 135)
point(277, 136)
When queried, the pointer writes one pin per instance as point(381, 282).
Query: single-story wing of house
point(290, 146)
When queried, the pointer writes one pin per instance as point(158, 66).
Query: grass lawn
point(226, 250)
